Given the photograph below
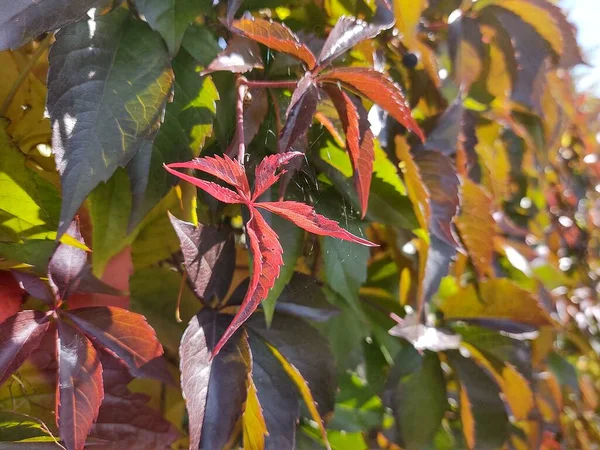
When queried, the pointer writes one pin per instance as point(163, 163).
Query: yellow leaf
point(477, 227)
point(254, 426)
point(466, 417)
point(501, 299)
point(408, 13)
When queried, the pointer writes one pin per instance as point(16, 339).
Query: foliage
point(162, 161)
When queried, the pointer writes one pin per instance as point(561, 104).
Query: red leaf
point(300, 113)
point(264, 243)
point(11, 295)
point(66, 264)
point(20, 335)
point(125, 334)
point(80, 389)
point(276, 36)
point(219, 192)
point(379, 89)
point(266, 171)
point(359, 141)
point(241, 55)
point(222, 167)
point(267, 257)
point(305, 217)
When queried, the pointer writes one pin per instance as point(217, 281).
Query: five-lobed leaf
point(263, 242)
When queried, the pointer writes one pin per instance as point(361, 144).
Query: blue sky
point(585, 14)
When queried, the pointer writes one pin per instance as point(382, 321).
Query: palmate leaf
point(122, 70)
point(22, 21)
point(241, 55)
point(263, 242)
point(300, 113)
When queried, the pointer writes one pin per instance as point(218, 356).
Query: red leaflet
point(19, 336)
point(359, 141)
point(80, 389)
point(379, 89)
point(263, 242)
point(11, 296)
point(276, 36)
point(125, 334)
point(300, 113)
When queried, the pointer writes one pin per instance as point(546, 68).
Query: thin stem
point(242, 88)
point(24, 73)
point(271, 84)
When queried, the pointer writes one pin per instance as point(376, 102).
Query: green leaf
point(29, 205)
point(188, 122)
point(154, 293)
point(16, 427)
point(408, 392)
point(110, 206)
point(108, 83)
point(171, 18)
point(484, 419)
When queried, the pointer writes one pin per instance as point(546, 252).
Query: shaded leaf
point(171, 18)
point(20, 335)
point(423, 386)
point(275, 36)
point(303, 297)
point(378, 88)
point(66, 265)
point(22, 21)
point(94, 60)
point(241, 55)
point(300, 113)
point(125, 334)
point(214, 388)
point(296, 340)
point(80, 390)
point(349, 31)
point(209, 256)
point(277, 396)
point(484, 419)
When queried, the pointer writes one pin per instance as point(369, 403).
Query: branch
point(266, 84)
point(242, 88)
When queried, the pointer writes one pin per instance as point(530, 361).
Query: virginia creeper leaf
point(349, 31)
point(484, 418)
point(80, 390)
point(209, 256)
point(171, 18)
point(67, 264)
point(125, 334)
point(20, 335)
point(214, 388)
point(122, 70)
point(300, 113)
point(263, 242)
point(275, 36)
point(22, 21)
point(378, 88)
point(359, 140)
point(34, 286)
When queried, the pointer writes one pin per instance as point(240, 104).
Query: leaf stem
point(242, 88)
point(266, 84)
point(44, 44)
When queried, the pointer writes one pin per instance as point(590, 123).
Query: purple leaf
point(300, 113)
point(241, 55)
point(66, 264)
